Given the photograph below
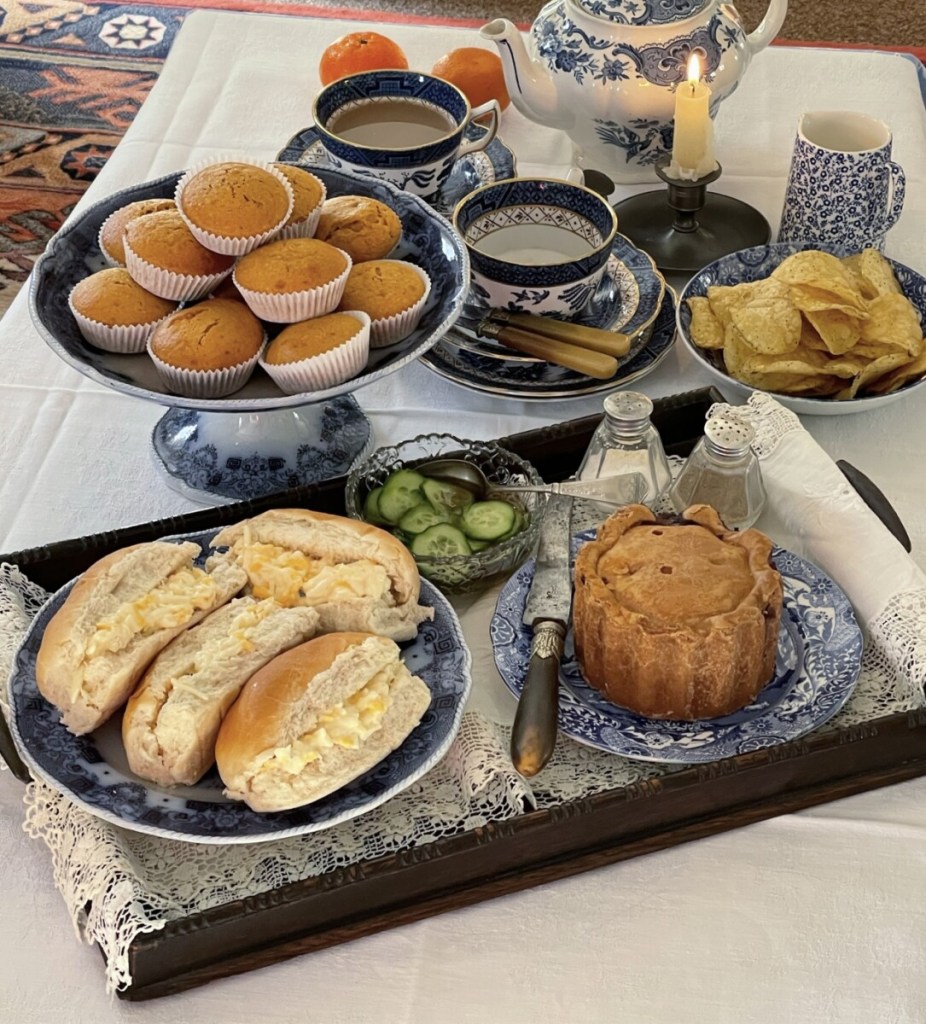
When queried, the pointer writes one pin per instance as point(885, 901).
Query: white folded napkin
point(813, 510)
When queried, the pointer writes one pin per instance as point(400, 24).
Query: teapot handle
point(769, 27)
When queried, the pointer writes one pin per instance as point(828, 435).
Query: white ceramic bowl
point(756, 263)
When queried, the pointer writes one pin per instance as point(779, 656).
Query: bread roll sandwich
point(315, 718)
point(122, 612)
point(356, 576)
point(173, 717)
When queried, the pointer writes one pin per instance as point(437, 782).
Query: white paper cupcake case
point(303, 228)
point(329, 368)
point(219, 243)
point(205, 383)
point(167, 284)
point(296, 306)
point(110, 261)
point(306, 228)
point(394, 328)
point(126, 340)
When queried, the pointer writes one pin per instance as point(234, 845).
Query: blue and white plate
point(818, 662)
point(756, 263)
point(93, 772)
point(457, 359)
point(427, 240)
point(493, 163)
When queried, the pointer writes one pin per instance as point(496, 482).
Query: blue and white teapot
point(605, 71)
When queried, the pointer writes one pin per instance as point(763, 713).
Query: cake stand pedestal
point(221, 457)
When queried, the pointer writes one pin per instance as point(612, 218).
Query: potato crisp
point(817, 326)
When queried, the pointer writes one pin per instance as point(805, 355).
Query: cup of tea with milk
point(536, 245)
point(402, 126)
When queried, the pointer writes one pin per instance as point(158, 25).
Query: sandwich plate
point(93, 772)
point(817, 666)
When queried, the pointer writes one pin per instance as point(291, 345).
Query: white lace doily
point(118, 884)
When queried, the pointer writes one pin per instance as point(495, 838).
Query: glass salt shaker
point(723, 471)
point(626, 443)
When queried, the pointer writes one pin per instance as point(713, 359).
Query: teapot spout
point(529, 82)
point(769, 27)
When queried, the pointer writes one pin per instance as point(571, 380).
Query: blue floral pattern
point(345, 433)
point(603, 57)
point(845, 201)
point(643, 12)
point(817, 666)
point(91, 769)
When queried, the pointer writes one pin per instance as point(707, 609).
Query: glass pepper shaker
point(723, 471)
point(626, 442)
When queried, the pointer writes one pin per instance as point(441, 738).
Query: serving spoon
point(612, 490)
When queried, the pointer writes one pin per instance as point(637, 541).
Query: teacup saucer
point(470, 172)
point(456, 358)
point(628, 300)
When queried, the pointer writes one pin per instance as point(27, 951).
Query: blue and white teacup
point(843, 191)
point(402, 126)
point(536, 245)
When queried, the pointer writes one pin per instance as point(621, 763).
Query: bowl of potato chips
point(824, 334)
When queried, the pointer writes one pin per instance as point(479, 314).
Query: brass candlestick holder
point(686, 227)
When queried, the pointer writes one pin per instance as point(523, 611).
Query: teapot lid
point(643, 12)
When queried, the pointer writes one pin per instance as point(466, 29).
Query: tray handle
point(10, 754)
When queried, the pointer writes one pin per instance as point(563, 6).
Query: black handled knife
point(549, 602)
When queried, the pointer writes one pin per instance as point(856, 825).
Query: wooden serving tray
point(535, 847)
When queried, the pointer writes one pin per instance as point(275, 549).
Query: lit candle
point(693, 144)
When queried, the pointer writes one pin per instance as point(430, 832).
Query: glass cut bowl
point(458, 574)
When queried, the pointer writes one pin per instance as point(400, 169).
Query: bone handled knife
point(549, 602)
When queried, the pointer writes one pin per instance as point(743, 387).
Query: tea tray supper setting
point(300, 722)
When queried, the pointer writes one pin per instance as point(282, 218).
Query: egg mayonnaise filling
point(171, 603)
point(344, 725)
point(294, 578)
point(237, 641)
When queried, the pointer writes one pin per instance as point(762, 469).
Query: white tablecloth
point(809, 917)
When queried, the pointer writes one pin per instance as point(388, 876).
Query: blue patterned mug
point(402, 126)
point(843, 191)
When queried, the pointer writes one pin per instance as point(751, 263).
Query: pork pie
point(676, 618)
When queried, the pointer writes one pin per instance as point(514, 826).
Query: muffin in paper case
point(232, 246)
point(291, 307)
point(328, 368)
point(388, 330)
point(168, 285)
point(304, 228)
point(116, 221)
point(205, 383)
point(126, 340)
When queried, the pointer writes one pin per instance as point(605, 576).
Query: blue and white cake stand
point(258, 440)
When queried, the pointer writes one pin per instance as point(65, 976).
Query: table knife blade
point(549, 602)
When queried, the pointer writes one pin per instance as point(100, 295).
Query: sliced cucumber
point(479, 545)
point(520, 522)
point(487, 520)
point(439, 541)
point(416, 520)
point(371, 512)
point(447, 497)
point(401, 492)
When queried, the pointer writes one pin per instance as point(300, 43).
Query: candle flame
point(694, 68)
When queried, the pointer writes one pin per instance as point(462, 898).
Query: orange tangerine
point(359, 51)
point(476, 72)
